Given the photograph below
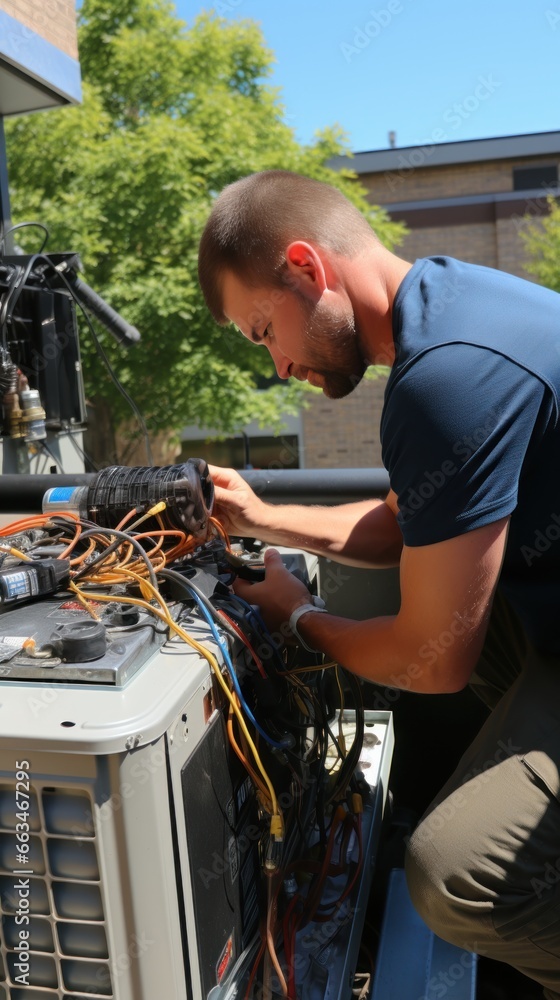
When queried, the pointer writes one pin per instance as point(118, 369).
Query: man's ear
point(307, 269)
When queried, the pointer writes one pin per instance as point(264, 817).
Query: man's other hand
point(277, 596)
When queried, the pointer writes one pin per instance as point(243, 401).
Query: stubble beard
point(332, 347)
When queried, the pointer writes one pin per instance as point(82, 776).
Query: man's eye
point(267, 332)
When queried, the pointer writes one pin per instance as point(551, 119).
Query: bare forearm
point(378, 651)
point(359, 534)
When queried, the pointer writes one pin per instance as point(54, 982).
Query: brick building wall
point(54, 20)
point(450, 209)
point(453, 181)
point(476, 243)
point(494, 243)
point(344, 433)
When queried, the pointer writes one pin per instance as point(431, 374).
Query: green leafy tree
point(170, 115)
point(542, 241)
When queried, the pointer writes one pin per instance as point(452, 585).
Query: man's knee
point(439, 873)
point(425, 885)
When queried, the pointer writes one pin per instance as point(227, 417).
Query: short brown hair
point(255, 218)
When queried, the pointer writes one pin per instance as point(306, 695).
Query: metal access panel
point(327, 952)
point(91, 874)
point(34, 72)
point(44, 344)
point(328, 955)
point(222, 838)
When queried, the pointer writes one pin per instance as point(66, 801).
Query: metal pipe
point(317, 486)
point(24, 493)
point(5, 214)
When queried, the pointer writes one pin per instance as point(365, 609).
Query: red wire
point(245, 640)
point(260, 954)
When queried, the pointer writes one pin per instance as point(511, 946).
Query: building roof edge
point(437, 154)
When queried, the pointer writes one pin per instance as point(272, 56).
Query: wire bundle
point(278, 719)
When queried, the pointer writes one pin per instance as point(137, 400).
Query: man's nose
point(281, 363)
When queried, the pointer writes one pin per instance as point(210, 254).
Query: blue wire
point(225, 652)
point(251, 612)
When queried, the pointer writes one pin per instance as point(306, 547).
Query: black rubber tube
point(24, 493)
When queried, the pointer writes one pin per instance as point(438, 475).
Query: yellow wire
point(83, 600)
point(15, 552)
point(156, 509)
point(309, 670)
point(165, 615)
point(341, 737)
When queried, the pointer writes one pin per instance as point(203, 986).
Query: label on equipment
point(70, 610)
point(233, 856)
point(60, 494)
point(10, 645)
point(224, 960)
point(20, 584)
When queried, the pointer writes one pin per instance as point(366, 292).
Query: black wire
point(98, 346)
point(136, 628)
point(114, 378)
point(123, 536)
point(22, 225)
point(12, 284)
point(82, 453)
point(19, 285)
point(350, 762)
point(189, 587)
point(44, 447)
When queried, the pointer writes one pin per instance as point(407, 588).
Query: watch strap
point(295, 616)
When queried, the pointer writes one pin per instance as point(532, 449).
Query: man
point(471, 442)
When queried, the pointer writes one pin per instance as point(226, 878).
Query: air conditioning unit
point(129, 862)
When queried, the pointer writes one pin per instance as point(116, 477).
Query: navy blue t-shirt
point(470, 429)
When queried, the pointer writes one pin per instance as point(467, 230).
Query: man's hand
point(279, 594)
point(236, 505)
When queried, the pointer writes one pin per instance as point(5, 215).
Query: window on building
point(529, 178)
point(263, 452)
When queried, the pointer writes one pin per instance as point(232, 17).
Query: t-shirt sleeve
point(456, 431)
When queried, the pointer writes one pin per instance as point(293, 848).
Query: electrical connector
point(274, 849)
point(277, 827)
point(33, 580)
point(357, 804)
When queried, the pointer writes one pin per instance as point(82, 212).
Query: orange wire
point(256, 778)
point(221, 531)
point(36, 521)
point(73, 543)
point(80, 559)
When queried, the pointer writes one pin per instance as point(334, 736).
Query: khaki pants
point(483, 865)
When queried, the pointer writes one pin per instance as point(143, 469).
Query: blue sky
point(431, 70)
